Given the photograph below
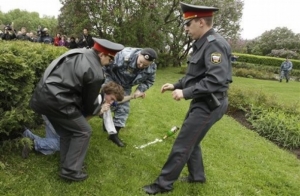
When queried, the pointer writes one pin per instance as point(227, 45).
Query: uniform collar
point(199, 42)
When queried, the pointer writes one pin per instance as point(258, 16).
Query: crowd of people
point(43, 36)
point(67, 96)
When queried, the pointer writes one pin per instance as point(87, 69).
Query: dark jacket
point(8, 36)
point(86, 41)
point(23, 37)
point(70, 85)
point(209, 67)
point(72, 45)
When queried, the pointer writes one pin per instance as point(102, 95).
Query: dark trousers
point(186, 148)
point(74, 140)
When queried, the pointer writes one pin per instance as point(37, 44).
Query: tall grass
point(237, 161)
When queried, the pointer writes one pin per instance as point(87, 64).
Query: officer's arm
point(149, 81)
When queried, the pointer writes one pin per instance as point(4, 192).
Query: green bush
point(276, 125)
point(276, 122)
point(22, 64)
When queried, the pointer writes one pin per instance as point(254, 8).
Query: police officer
point(132, 66)
point(206, 83)
point(67, 95)
point(285, 68)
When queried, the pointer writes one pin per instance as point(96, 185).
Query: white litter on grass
point(150, 143)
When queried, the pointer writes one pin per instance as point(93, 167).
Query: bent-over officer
point(132, 66)
point(66, 95)
point(205, 83)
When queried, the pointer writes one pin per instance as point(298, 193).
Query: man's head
point(85, 31)
point(146, 58)
point(23, 30)
point(113, 92)
point(106, 50)
point(197, 19)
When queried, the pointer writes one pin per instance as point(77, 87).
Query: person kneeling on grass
point(50, 144)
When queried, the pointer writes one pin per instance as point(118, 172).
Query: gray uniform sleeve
point(145, 85)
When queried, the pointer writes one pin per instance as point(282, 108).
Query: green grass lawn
point(284, 92)
point(237, 161)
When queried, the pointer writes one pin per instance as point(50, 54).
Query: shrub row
point(265, 60)
point(276, 122)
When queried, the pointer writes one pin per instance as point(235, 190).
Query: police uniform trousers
point(186, 148)
point(74, 140)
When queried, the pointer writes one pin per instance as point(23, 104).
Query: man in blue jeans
point(48, 145)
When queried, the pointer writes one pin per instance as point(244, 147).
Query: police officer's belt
point(218, 95)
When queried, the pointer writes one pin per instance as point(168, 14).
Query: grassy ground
point(284, 92)
point(237, 161)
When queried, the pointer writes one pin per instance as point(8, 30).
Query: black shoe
point(188, 180)
point(73, 175)
point(115, 139)
point(153, 189)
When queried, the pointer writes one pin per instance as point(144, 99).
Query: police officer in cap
point(132, 66)
point(205, 83)
point(66, 95)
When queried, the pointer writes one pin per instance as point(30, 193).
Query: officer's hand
point(177, 94)
point(138, 93)
point(166, 87)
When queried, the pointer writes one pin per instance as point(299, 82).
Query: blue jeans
point(48, 145)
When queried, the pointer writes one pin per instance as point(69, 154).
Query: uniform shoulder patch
point(216, 58)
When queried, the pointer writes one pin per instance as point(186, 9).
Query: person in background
point(285, 69)
point(86, 40)
point(63, 41)
point(9, 33)
point(57, 38)
point(206, 82)
point(23, 35)
point(234, 58)
point(132, 67)
point(44, 37)
point(72, 43)
point(67, 94)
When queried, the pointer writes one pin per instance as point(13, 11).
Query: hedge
point(22, 64)
point(265, 60)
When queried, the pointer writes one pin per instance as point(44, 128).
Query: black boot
point(115, 138)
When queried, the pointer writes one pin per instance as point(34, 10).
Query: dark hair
point(112, 88)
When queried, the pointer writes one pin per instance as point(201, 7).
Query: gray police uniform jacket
point(70, 85)
point(286, 66)
point(125, 72)
point(209, 67)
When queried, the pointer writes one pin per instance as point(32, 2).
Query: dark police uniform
point(66, 94)
point(208, 77)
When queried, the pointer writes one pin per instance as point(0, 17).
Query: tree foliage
point(30, 20)
point(279, 42)
point(145, 23)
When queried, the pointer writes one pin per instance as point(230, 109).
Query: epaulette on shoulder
point(211, 38)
